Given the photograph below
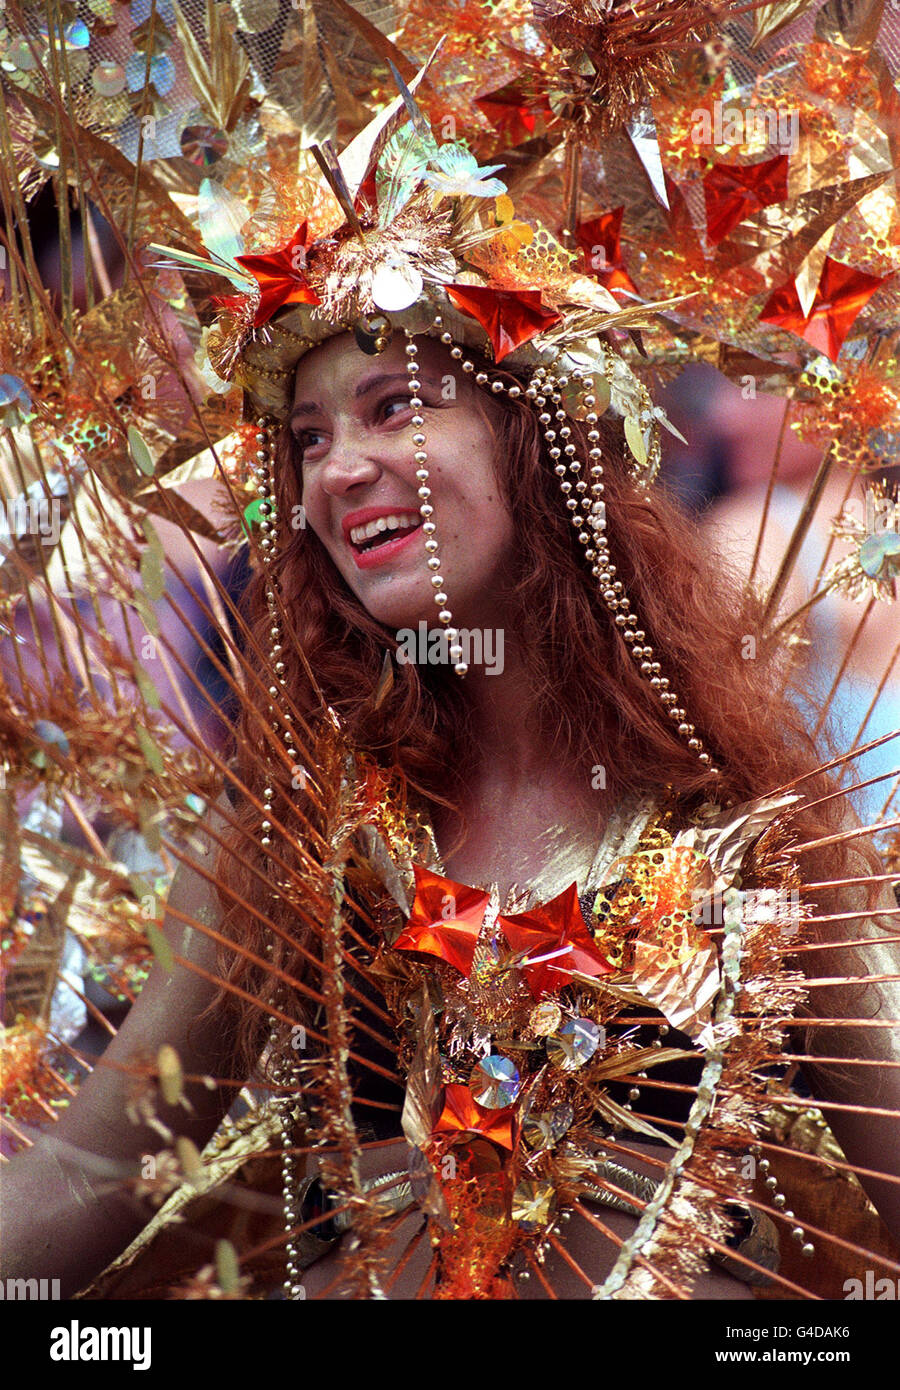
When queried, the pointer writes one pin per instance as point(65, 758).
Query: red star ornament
point(279, 276)
point(841, 295)
point(445, 920)
point(510, 115)
point(556, 926)
point(599, 240)
point(509, 317)
point(733, 192)
point(463, 1115)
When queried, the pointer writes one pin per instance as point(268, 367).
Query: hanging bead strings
point(445, 617)
point(545, 391)
point(284, 1069)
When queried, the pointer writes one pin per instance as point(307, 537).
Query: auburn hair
point(592, 703)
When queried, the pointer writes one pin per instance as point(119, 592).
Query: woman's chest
point(540, 838)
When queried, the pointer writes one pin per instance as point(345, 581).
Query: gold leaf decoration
point(769, 20)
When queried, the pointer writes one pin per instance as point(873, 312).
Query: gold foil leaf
point(171, 1077)
point(422, 1102)
point(160, 947)
point(681, 981)
point(725, 837)
point(769, 19)
point(850, 23)
point(139, 451)
point(634, 436)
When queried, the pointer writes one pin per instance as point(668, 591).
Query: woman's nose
point(351, 460)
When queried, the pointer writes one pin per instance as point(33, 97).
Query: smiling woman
point(564, 974)
point(497, 786)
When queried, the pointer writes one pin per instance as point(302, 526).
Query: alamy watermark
point(84, 1343)
point(744, 125)
point(879, 513)
point(779, 906)
point(430, 646)
point(30, 516)
point(28, 1290)
point(871, 1288)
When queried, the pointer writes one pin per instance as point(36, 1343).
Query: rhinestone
point(494, 1082)
point(574, 1044)
point(532, 1203)
point(203, 144)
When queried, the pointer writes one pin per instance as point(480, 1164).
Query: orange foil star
point(733, 192)
point(514, 118)
point(510, 317)
point(556, 930)
point(599, 240)
point(463, 1115)
point(841, 295)
point(279, 277)
point(445, 920)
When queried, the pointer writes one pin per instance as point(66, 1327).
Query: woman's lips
point(383, 553)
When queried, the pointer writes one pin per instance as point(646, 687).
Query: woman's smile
point(376, 534)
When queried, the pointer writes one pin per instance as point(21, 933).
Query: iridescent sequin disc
point(495, 1082)
point(574, 1044)
point(108, 79)
point(532, 1203)
point(161, 75)
point(203, 144)
point(545, 1128)
point(879, 556)
point(396, 285)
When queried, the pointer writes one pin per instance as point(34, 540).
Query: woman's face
point(351, 419)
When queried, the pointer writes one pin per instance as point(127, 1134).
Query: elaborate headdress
point(426, 242)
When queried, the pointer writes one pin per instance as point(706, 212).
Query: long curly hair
point(592, 704)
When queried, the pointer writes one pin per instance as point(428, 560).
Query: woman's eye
point(395, 405)
point(308, 440)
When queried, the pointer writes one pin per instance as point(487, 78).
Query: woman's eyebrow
point(365, 388)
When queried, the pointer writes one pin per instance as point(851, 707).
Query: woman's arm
point(68, 1207)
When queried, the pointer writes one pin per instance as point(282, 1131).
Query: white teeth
point(359, 534)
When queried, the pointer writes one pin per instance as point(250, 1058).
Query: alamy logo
point(23, 1290)
point(872, 1288)
point(431, 647)
point(77, 1343)
point(30, 516)
point(741, 125)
